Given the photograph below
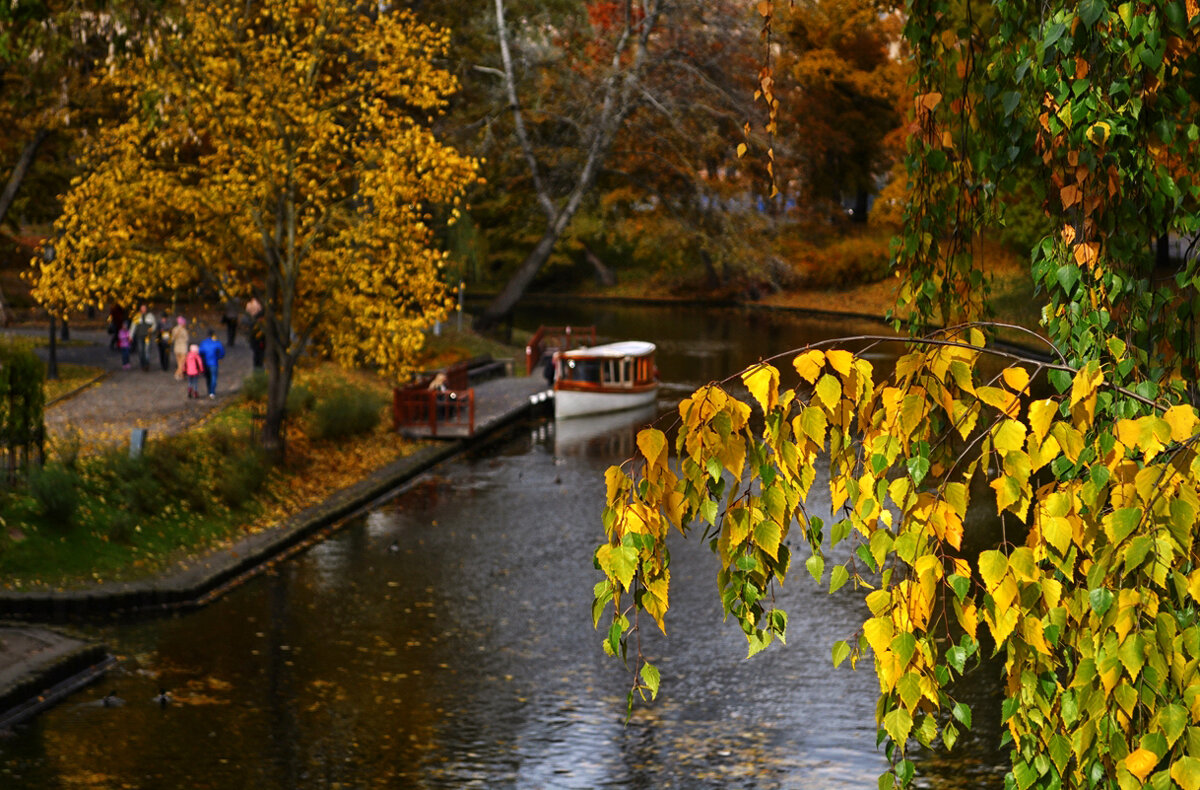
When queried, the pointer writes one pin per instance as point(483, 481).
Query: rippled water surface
point(444, 640)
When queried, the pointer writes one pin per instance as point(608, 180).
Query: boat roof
point(626, 348)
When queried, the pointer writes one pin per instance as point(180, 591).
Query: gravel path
point(107, 411)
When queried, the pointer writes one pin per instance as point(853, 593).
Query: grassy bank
point(86, 518)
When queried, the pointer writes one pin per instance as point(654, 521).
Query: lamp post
point(52, 365)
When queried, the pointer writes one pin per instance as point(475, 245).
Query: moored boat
point(611, 377)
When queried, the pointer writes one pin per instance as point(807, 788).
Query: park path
point(107, 411)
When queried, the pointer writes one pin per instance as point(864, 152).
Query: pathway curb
point(202, 582)
point(42, 678)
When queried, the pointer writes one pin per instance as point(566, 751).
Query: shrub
point(254, 386)
point(240, 476)
point(174, 465)
point(55, 488)
point(134, 482)
point(68, 449)
point(300, 398)
point(346, 411)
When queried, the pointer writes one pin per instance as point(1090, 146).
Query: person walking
point(124, 340)
point(164, 344)
point(193, 366)
point(258, 341)
point(233, 311)
point(116, 320)
point(143, 335)
point(211, 351)
point(179, 344)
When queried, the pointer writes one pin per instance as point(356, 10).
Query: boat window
point(587, 370)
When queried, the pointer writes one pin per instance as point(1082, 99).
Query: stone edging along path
point(209, 576)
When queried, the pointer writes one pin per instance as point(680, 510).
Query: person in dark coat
point(212, 352)
point(144, 331)
point(258, 340)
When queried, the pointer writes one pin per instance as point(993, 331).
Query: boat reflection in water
point(604, 435)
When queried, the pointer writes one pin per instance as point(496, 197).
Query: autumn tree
point(48, 101)
point(1090, 454)
point(280, 149)
point(622, 43)
point(840, 77)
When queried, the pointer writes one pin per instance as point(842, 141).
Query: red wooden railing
point(559, 338)
point(419, 406)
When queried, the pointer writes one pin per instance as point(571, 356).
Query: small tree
point(22, 407)
point(277, 148)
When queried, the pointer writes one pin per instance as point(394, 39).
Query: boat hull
point(578, 403)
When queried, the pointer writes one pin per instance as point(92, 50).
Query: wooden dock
point(497, 402)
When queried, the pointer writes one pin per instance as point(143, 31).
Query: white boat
point(612, 377)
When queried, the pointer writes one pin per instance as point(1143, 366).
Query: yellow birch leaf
point(615, 480)
point(1087, 379)
point(1041, 413)
point(1009, 435)
point(1186, 770)
point(1002, 400)
point(992, 565)
point(1056, 530)
point(1016, 378)
point(1182, 420)
point(653, 444)
point(829, 390)
point(840, 360)
point(1141, 762)
point(968, 616)
point(879, 632)
point(763, 383)
point(809, 364)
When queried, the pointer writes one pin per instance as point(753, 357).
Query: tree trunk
point(279, 381)
point(1162, 252)
point(24, 162)
point(617, 102)
point(605, 276)
point(861, 200)
point(504, 302)
point(20, 171)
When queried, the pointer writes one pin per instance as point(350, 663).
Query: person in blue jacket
point(211, 351)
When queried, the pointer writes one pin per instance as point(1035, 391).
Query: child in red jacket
point(193, 366)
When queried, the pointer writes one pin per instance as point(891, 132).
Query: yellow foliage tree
point(278, 148)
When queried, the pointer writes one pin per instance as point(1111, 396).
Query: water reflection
point(465, 657)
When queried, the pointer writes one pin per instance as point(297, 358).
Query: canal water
point(443, 640)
